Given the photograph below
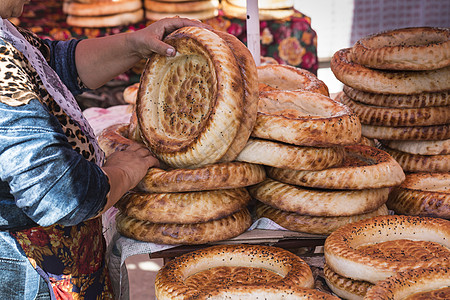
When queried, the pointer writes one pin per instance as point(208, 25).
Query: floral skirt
point(71, 259)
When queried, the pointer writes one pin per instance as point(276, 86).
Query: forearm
point(101, 59)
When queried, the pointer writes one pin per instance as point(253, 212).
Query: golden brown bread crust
point(315, 202)
point(249, 75)
point(183, 208)
point(383, 82)
point(343, 254)
point(233, 11)
point(188, 234)
point(265, 4)
point(420, 147)
point(179, 7)
point(288, 78)
point(312, 224)
point(415, 284)
point(267, 291)
point(198, 15)
point(365, 168)
point(398, 101)
point(345, 287)
point(422, 194)
point(101, 8)
point(411, 133)
point(130, 93)
point(389, 116)
point(282, 155)
point(415, 48)
point(190, 106)
point(306, 119)
point(420, 163)
point(209, 177)
point(114, 138)
point(170, 281)
point(118, 19)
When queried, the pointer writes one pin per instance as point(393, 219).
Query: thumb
point(164, 49)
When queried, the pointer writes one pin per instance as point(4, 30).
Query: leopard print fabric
point(19, 83)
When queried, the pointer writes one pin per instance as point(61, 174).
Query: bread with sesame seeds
point(422, 194)
point(387, 82)
point(190, 107)
point(415, 284)
point(414, 48)
point(305, 118)
point(279, 77)
point(240, 266)
point(376, 248)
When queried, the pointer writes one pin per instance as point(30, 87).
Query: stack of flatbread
point(196, 9)
point(103, 13)
point(398, 83)
point(389, 257)
point(195, 111)
point(268, 9)
point(319, 178)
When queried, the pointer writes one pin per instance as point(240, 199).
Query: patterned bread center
point(186, 87)
point(219, 277)
point(405, 250)
point(443, 293)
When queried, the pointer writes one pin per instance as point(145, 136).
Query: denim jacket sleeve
point(62, 60)
point(51, 183)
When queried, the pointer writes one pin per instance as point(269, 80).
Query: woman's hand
point(101, 59)
point(149, 39)
point(125, 169)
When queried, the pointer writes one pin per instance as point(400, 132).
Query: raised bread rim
point(403, 49)
point(390, 116)
point(317, 202)
point(343, 258)
point(280, 155)
point(385, 172)
point(169, 279)
point(312, 224)
point(183, 208)
point(210, 177)
point(379, 81)
point(341, 127)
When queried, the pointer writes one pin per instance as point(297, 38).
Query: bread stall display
point(101, 13)
point(197, 9)
point(268, 9)
point(361, 255)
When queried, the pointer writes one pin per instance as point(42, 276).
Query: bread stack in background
point(398, 83)
point(101, 13)
point(319, 178)
point(197, 9)
point(268, 9)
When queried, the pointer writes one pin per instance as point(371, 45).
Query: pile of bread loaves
point(227, 131)
point(215, 119)
point(398, 84)
point(102, 13)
